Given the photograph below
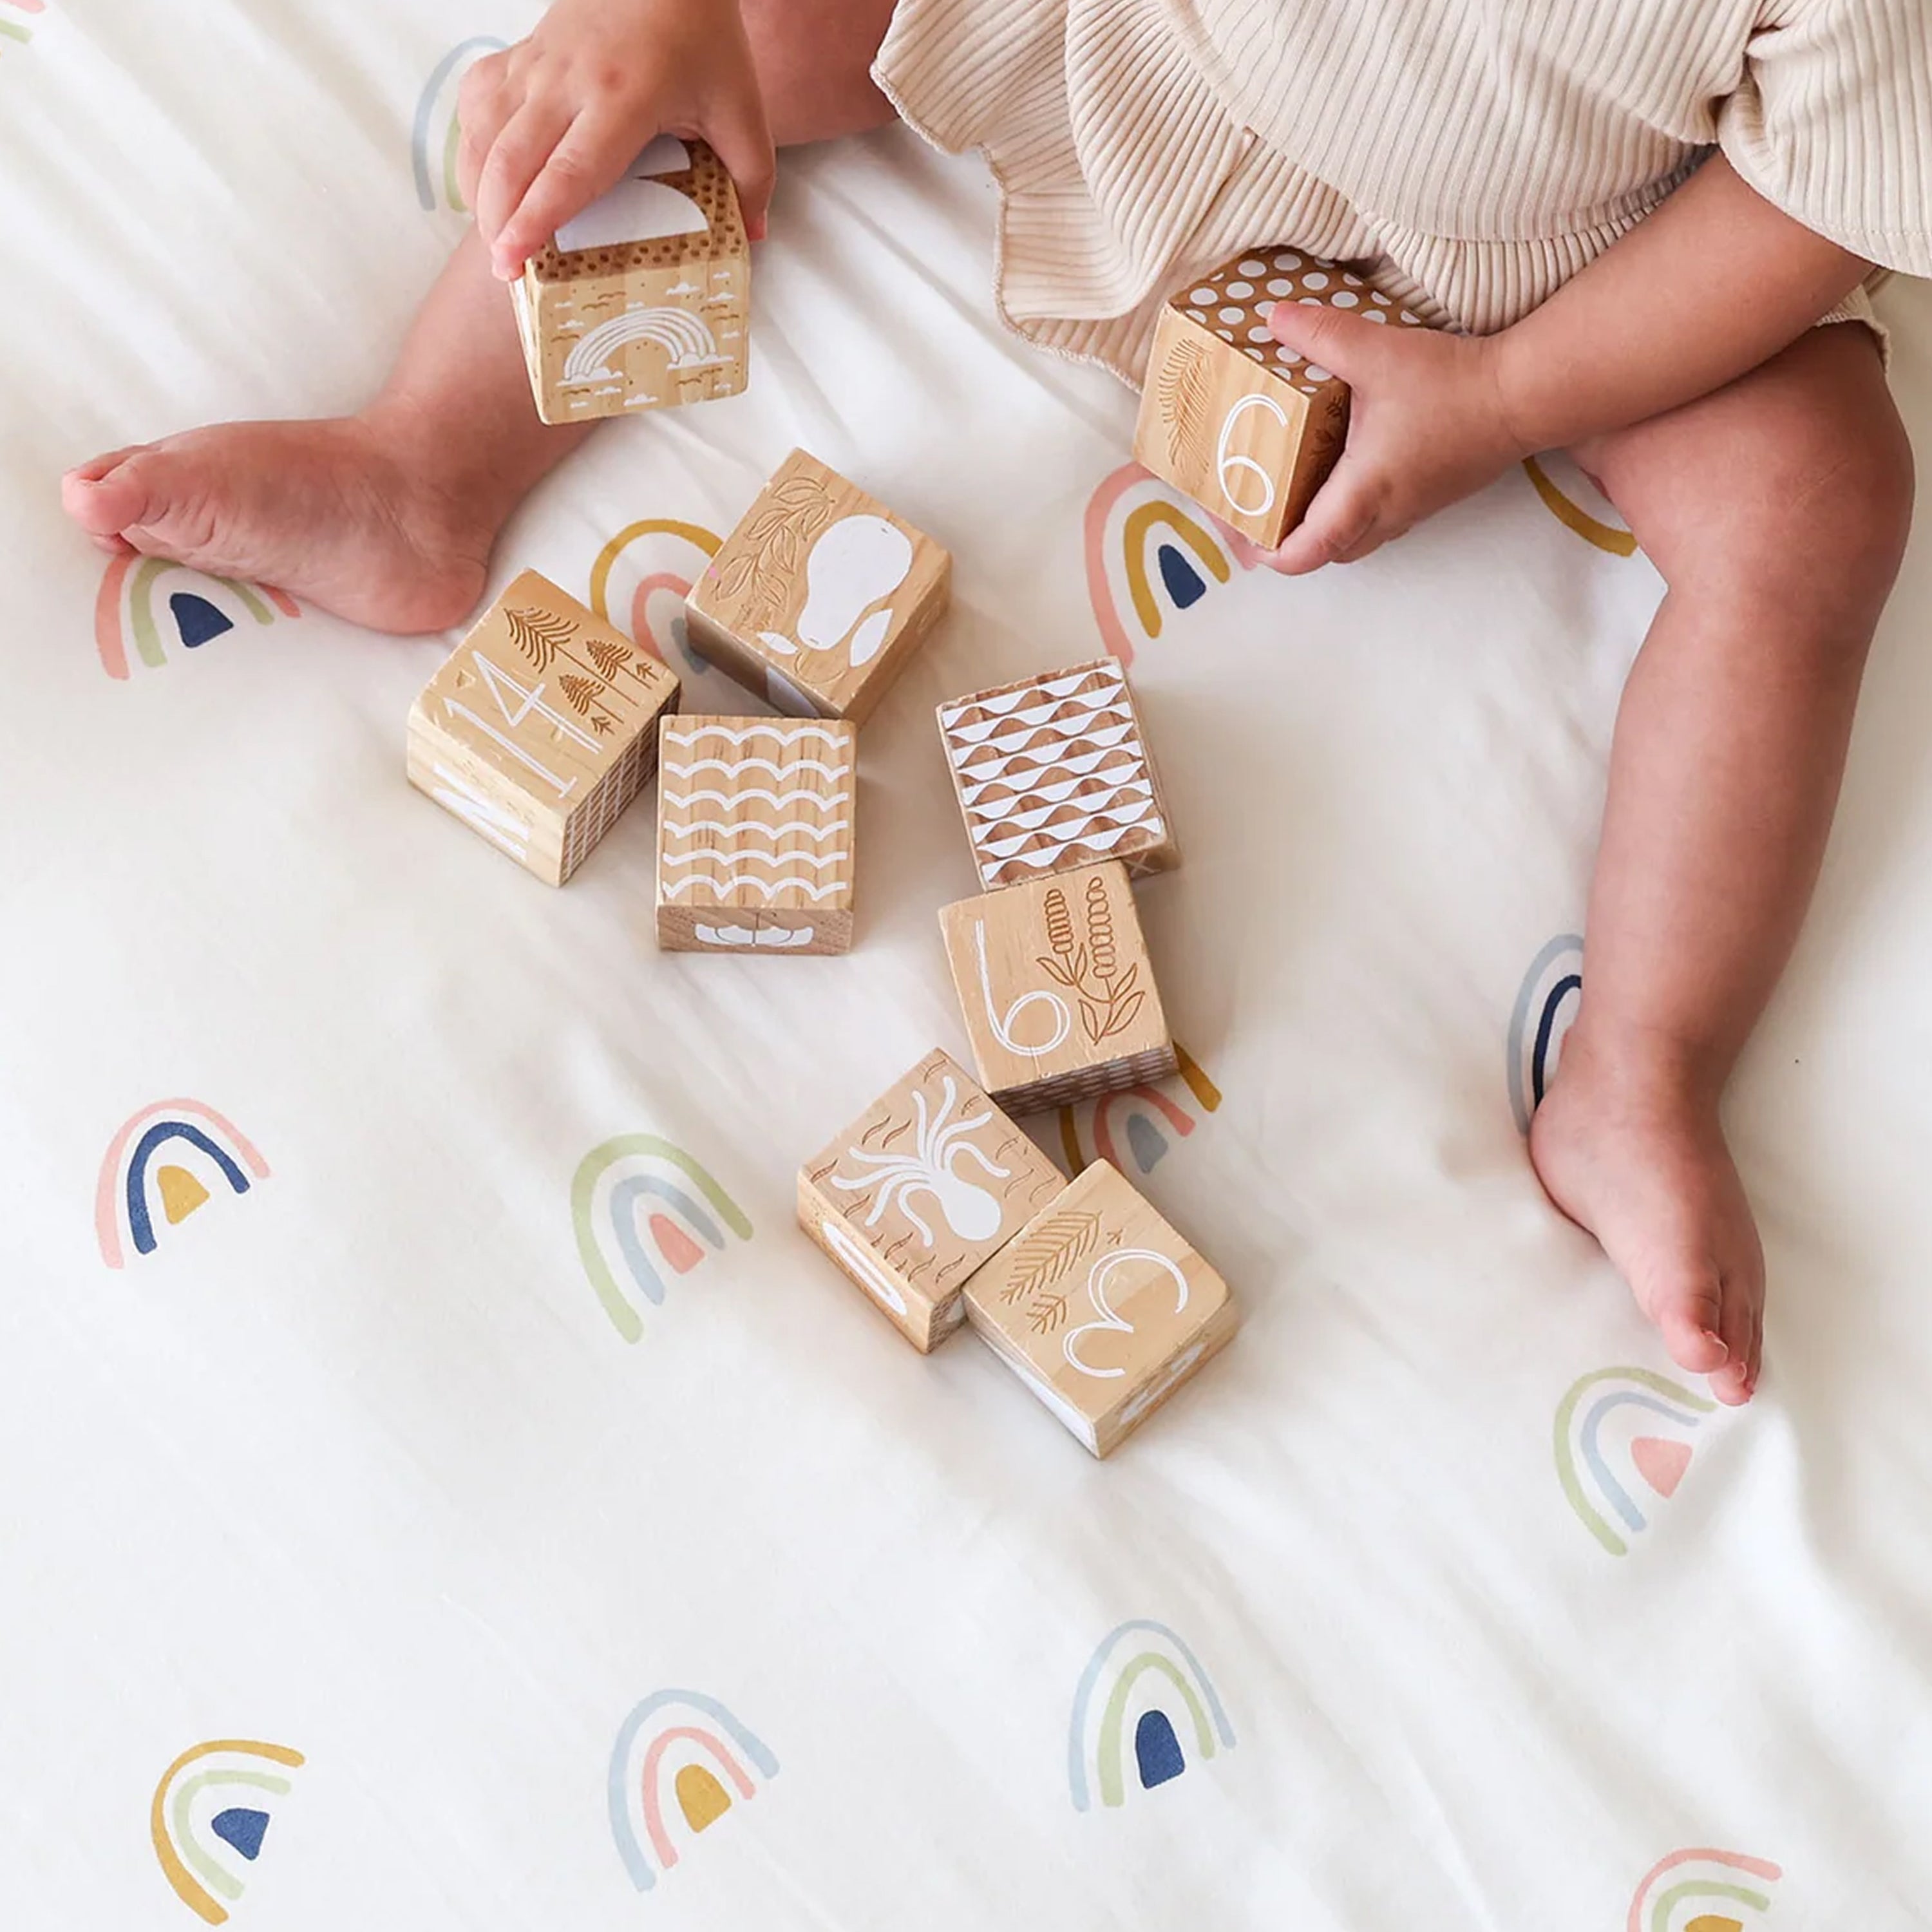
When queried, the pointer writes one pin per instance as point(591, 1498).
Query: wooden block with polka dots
point(926, 1186)
point(644, 300)
point(1101, 1308)
point(1237, 420)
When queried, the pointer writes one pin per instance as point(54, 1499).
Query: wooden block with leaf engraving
point(1101, 1308)
point(540, 728)
point(644, 299)
point(1243, 424)
point(929, 1182)
point(756, 851)
point(1059, 998)
point(820, 596)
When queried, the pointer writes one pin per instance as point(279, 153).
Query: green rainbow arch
point(1591, 1518)
point(1113, 1786)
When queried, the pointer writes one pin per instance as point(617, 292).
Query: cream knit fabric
point(1473, 154)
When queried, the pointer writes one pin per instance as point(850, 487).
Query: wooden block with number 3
point(926, 1185)
point(1058, 995)
point(540, 728)
point(1101, 1308)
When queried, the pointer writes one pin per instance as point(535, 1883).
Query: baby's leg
point(388, 517)
point(1777, 510)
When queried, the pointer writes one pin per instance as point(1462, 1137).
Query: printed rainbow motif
point(638, 1185)
point(678, 1749)
point(648, 551)
point(130, 605)
point(1140, 534)
point(1144, 1673)
point(210, 1808)
point(1545, 1008)
point(1565, 491)
point(207, 1149)
point(1143, 1118)
point(434, 137)
point(12, 30)
point(1597, 1481)
point(1704, 1891)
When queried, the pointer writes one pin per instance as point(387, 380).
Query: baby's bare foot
point(326, 511)
point(1643, 1165)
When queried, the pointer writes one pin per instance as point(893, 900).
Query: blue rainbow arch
point(134, 1189)
point(1590, 1402)
point(1545, 1004)
point(1156, 1747)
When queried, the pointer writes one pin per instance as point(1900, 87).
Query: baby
point(1647, 225)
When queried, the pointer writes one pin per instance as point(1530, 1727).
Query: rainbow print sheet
point(446, 1491)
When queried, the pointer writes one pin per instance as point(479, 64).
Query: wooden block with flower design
point(1101, 1308)
point(929, 1182)
point(1059, 998)
point(1241, 423)
point(540, 727)
point(820, 596)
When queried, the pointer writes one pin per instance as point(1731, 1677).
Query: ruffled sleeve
point(1833, 123)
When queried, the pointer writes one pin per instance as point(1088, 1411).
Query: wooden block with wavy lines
point(1053, 772)
point(925, 1186)
point(1101, 1308)
point(540, 727)
point(644, 299)
point(1243, 424)
point(756, 818)
point(1058, 994)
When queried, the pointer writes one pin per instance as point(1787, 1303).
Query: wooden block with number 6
point(1101, 1308)
point(926, 1185)
point(540, 728)
point(1059, 998)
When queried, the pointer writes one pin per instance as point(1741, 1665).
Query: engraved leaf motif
point(1046, 1314)
point(538, 634)
point(1094, 1019)
point(1041, 1258)
point(1182, 392)
point(1123, 1018)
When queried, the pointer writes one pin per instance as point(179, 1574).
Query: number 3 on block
point(1096, 1287)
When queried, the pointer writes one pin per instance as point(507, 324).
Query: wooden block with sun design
point(756, 834)
point(1053, 772)
point(820, 596)
point(1101, 1308)
point(540, 728)
point(644, 299)
point(1058, 994)
point(925, 1186)
point(1239, 421)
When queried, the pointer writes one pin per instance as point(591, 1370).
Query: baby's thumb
point(1335, 342)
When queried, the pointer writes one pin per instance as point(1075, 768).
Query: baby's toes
point(1689, 1312)
point(109, 495)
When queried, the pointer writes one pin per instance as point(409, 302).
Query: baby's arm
point(551, 123)
point(1714, 283)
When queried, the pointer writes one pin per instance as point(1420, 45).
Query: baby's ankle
point(1642, 1069)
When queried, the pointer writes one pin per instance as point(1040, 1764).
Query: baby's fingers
point(1340, 526)
point(520, 153)
point(583, 165)
point(483, 104)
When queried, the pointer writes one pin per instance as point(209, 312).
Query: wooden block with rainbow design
point(756, 847)
point(540, 728)
point(925, 1186)
point(1240, 422)
point(1101, 1308)
point(820, 596)
point(1059, 998)
point(643, 300)
point(1053, 772)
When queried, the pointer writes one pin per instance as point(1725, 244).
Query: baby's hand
point(552, 123)
point(1427, 427)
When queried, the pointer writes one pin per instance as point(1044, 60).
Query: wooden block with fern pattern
point(1243, 425)
point(1057, 992)
point(1101, 1308)
point(540, 727)
point(820, 596)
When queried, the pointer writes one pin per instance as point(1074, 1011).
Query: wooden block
point(1060, 1000)
point(540, 728)
point(1053, 773)
point(1245, 427)
point(644, 300)
point(1100, 1308)
point(819, 596)
point(755, 844)
point(929, 1182)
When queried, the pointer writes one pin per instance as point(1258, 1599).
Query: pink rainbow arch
point(1103, 1116)
point(641, 633)
point(1755, 1867)
point(106, 1220)
point(661, 1839)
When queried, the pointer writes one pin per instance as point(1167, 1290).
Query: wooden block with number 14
point(1101, 1308)
point(540, 728)
point(925, 1186)
point(1057, 990)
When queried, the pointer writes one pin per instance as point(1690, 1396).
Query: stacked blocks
point(1235, 419)
point(540, 728)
